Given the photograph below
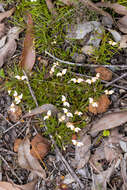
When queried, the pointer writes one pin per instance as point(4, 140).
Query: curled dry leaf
point(109, 121)
point(6, 14)
point(12, 186)
point(27, 161)
point(28, 54)
point(122, 24)
point(16, 115)
point(40, 146)
point(105, 74)
point(120, 9)
point(42, 109)
point(103, 103)
point(10, 47)
point(82, 154)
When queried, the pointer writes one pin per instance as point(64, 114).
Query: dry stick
point(58, 151)
point(2, 158)
point(82, 64)
point(115, 80)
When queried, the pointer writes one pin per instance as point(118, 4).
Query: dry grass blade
point(51, 7)
point(6, 14)
point(81, 157)
point(27, 161)
point(42, 109)
point(28, 54)
point(109, 121)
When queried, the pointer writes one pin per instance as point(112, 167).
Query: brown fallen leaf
point(109, 121)
point(123, 41)
point(27, 161)
point(14, 116)
point(12, 186)
point(28, 55)
point(16, 144)
point(120, 9)
point(82, 154)
point(105, 74)
point(42, 109)
point(40, 146)
point(103, 103)
point(6, 14)
point(10, 47)
point(122, 24)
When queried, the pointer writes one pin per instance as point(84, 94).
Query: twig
point(115, 80)
point(30, 89)
point(84, 65)
point(11, 169)
point(12, 126)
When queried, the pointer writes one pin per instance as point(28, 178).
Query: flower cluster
point(68, 114)
point(72, 127)
point(53, 68)
point(77, 143)
point(93, 79)
point(79, 80)
point(17, 97)
point(48, 115)
point(20, 77)
point(60, 74)
point(79, 113)
point(65, 103)
point(62, 118)
point(91, 101)
point(112, 43)
point(109, 92)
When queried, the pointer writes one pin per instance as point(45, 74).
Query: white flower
point(9, 91)
point(18, 98)
point(77, 129)
point(94, 79)
point(69, 114)
point(94, 104)
point(64, 71)
point(52, 70)
point(15, 94)
point(33, 0)
point(112, 43)
point(88, 81)
point(76, 143)
point(79, 80)
point(12, 107)
point(59, 74)
point(109, 92)
point(48, 115)
point(63, 98)
point(90, 100)
point(62, 118)
point(56, 64)
point(20, 77)
point(65, 103)
point(78, 113)
point(97, 75)
point(70, 125)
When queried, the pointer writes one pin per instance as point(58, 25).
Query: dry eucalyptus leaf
point(12, 186)
point(109, 121)
point(42, 109)
point(6, 14)
point(40, 146)
point(28, 54)
point(122, 24)
point(105, 74)
point(14, 116)
point(82, 154)
point(9, 49)
point(27, 161)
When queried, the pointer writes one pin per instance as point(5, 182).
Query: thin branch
point(84, 65)
point(115, 80)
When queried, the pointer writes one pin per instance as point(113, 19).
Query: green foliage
point(106, 133)
point(105, 51)
point(50, 90)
